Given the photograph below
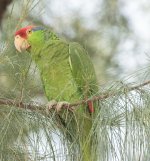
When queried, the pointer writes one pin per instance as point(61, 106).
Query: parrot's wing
point(82, 70)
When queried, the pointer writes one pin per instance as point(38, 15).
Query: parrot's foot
point(51, 104)
point(61, 104)
point(57, 105)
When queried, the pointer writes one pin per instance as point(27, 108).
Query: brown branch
point(22, 105)
point(34, 107)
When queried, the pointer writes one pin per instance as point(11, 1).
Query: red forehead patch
point(22, 32)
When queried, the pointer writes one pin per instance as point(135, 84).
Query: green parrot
point(68, 75)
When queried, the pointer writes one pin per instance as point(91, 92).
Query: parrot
point(67, 75)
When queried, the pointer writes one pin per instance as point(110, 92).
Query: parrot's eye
point(29, 31)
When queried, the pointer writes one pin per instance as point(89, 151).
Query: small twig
point(38, 107)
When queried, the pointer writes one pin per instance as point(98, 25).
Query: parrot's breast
point(53, 63)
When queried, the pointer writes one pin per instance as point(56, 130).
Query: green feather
point(68, 75)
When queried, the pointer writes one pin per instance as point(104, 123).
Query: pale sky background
point(139, 20)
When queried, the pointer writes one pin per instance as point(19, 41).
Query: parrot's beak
point(21, 44)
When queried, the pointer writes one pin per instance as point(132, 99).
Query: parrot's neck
point(35, 49)
point(39, 41)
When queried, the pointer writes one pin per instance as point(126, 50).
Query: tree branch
point(103, 96)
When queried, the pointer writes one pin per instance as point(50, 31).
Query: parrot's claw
point(57, 105)
point(51, 104)
point(61, 104)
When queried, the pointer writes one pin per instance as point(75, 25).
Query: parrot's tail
point(88, 142)
point(80, 133)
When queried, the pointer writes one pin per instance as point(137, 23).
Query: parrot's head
point(28, 36)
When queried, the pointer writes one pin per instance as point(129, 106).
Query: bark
point(3, 7)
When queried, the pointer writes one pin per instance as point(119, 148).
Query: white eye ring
point(29, 31)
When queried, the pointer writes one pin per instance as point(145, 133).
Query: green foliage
point(123, 121)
